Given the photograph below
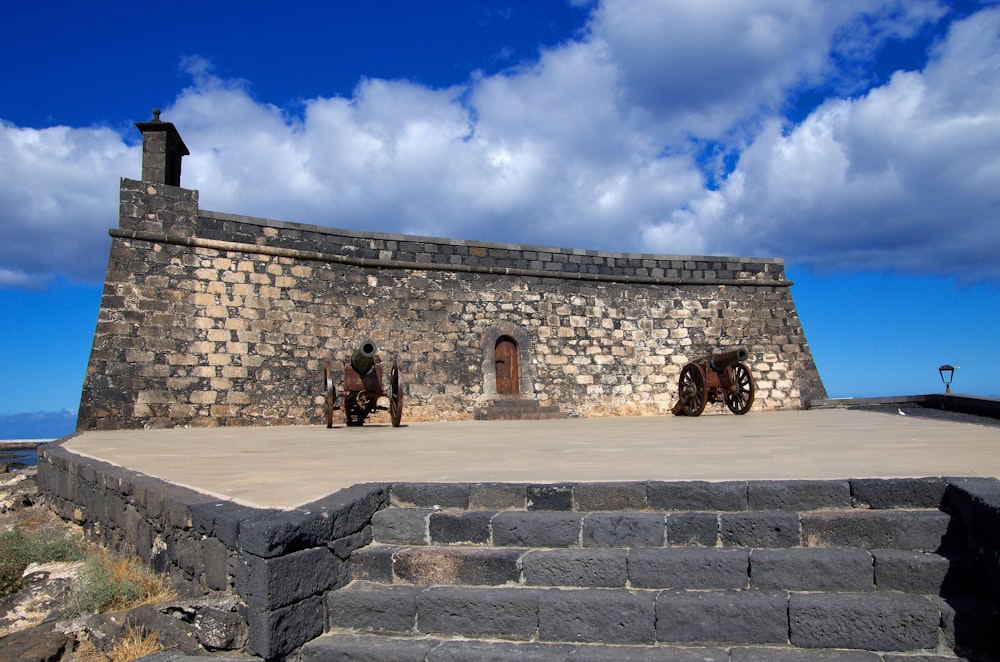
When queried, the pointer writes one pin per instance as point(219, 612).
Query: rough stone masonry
point(211, 319)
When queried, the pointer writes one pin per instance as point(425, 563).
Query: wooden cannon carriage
point(716, 378)
point(362, 390)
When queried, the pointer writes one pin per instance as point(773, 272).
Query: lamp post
point(947, 373)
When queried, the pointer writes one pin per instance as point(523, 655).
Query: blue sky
point(859, 140)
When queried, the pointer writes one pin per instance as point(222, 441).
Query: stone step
point(689, 568)
point(909, 529)
point(516, 409)
point(865, 621)
point(349, 646)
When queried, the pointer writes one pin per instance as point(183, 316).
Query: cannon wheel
point(331, 394)
point(741, 399)
point(395, 396)
point(693, 390)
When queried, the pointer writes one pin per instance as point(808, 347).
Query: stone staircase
point(862, 570)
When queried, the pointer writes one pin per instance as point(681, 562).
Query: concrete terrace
point(286, 467)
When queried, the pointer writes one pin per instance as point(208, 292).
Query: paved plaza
point(286, 467)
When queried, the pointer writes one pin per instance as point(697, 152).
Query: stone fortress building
point(217, 319)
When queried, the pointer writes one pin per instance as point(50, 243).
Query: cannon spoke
point(395, 396)
point(740, 398)
point(331, 394)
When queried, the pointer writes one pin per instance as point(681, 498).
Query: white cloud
point(594, 145)
point(903, 178)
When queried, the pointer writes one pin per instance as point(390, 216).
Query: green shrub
point(110, 583)
point(20, 547)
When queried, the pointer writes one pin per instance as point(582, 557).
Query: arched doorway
point(507, 370)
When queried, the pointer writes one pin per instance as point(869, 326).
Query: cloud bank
point(666, 127)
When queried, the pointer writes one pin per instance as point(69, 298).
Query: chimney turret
point(162, 151)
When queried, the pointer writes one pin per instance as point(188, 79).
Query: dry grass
point(113, 583)
point(134, 644)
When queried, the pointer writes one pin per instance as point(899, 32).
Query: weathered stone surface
point(648, 654)
point(497, 496)
point(759, 529)
point(697, 495)
point(812, 569)
point(575, 567)
point(882, 493)
point(459, 610)
point(766, 654)
point(367, 648)
point(284, 580)
point(623, 530)
point(220, 630)
point(891, 529)
point(537, 529)
point(610, 496)
point(431, 495)
point(373, 607)
point(278, 632)
point(911, 572)
point(693, 529)
point(714, 617)
point(462, 651)
point(403, 526)
point(459, 526)
point(596, 615)
point(688, 568)
point(797, 495)
point(869, 621)
point(457, 565)
point(550, 497)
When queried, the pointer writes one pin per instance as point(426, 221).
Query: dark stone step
point(685, 496)
point(353, 647)
point(693, 568)
point(917, 530)
point(649, 618)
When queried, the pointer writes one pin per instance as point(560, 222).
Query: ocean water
point(25, 456)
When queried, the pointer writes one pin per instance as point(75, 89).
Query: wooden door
point(506, 364)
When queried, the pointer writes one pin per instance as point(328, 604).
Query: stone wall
point(215, 319)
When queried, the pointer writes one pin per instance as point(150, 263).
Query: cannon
point(716, 378)
point(362, 390)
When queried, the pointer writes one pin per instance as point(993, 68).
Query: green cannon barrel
point(719, 362)
point(363, 358)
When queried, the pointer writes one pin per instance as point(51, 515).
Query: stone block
point(697, 495)
point(462, 651)
point(367, 648)
point(922, 530)
point(215, 557)
point(592, 653)
point(459, 526)
point(345, 546)
point(276, 633)
point(971, 626)
point(596, 568)
point(715, 617)
point(768, 654)
point(373, 564)
point(623, 530)
point(609, 616)
point(473, 566)
point(759, 529)
point(693, 529)
point(550, 497)
point(797, 495)
point(221, 520)
point(404, 526)
point(882, 493)
point(812, 569)
point(373, 608)
point(610, 496)
point(275, 582)
point(975, 502)
point(506, 612)
point(537, 529)
point(430, 495)
point(866, 621)
point(497, 496)
point(688, 568)
point(911, 572)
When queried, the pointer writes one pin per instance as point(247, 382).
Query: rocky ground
point(37, 626)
